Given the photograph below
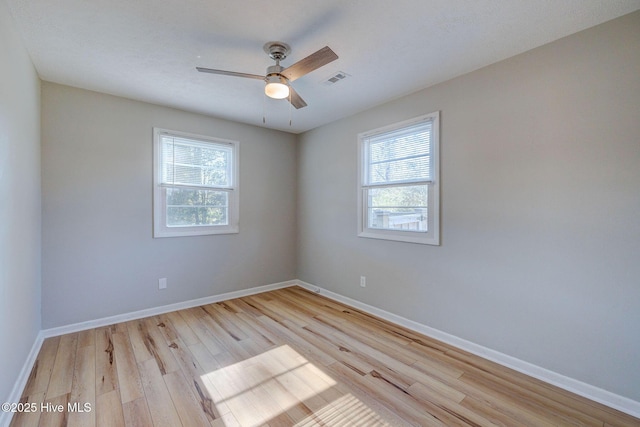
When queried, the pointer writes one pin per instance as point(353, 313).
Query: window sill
point(182, 232)
point(402, 236)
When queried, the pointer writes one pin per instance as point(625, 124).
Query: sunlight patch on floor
point(344, 411)
point(282, 385)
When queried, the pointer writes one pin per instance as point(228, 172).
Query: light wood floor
point(283, 358)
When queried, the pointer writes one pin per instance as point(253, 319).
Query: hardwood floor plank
point(251, 347)
point(224, 318)
point(184, 331)
point(387, 382)
point(62, 372)
point(539, 391)
point(270, 336)
point(453, 412)
point(157, 346)
point(398, 352)
point(40, 375)
point(227, 420)
point(513, 408)
point(267, 395)
point(372, 355)
point(128, 377)
point(55, 414)
point(345, 313)
point(30, 417)
point(319, 302)
point(413, 354)
point(86, 338)
point(229, 343)
point(193, 373)
point(245, 306)
point(106, 374)
point(336, 351)
point(287, 369)
point(136, 337)
point(436, 368)
point(204, 335)
point(163, 412)
point(83, 389)
point(136, 413)
point(556, 403)
point(264, 307)
point(248, 326)
point(186, 404)
point(377, 325)
point(235, 392)
point(282, 358)
point(621, 420)
point(372, 411)
point(109, 411)
point(296, 341)
point(286, 311)
point(165, 326)
point(347, 410)
point(340, 324)
point(531, 400)
point(237, 305)
point(281, 396)
point(488, 412)
point(406, 411)
point(209, 364)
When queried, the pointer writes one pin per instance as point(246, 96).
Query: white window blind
point(187, 162)
point(399, 156)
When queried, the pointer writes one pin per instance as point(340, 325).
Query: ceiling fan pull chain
point(264, 97)
point(289, 108)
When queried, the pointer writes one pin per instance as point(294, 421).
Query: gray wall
point(540, 254)
point(99, 258)
point(19, 204)
point(540, 202)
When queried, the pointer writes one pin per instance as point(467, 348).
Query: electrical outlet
point(363, 282)
point(162, 283)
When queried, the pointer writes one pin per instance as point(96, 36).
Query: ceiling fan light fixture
point(276, 87)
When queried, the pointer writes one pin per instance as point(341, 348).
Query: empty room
point(300, 213)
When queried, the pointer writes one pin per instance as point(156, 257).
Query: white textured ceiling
point(148, 49)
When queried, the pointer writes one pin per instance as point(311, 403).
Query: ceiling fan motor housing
point(277, 50)
point(275, 70)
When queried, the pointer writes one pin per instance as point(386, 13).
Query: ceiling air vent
point(335, 78)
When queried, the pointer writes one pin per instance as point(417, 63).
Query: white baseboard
point(596, 394)
point(106, 321)
point(21, 382)
point(607, 398)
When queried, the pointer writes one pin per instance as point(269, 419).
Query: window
point(398, 194)
point(195, 184)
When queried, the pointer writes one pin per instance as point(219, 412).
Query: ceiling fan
point(277, 77)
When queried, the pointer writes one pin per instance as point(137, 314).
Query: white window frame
point(432, 235)
point(160, 228)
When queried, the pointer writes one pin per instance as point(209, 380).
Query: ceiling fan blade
point(296, 100)
point(229, 73)
point(310, 63)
